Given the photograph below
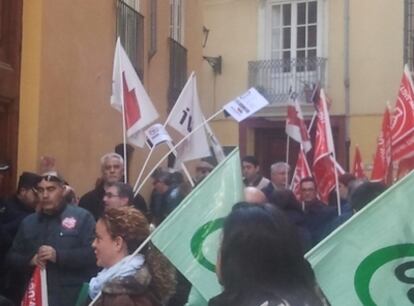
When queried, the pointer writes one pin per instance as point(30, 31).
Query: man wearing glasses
point(58, 237)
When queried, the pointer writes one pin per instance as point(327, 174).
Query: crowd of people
point(93, 240)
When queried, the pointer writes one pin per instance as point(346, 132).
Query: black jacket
point(70, 232)
point(92, 201)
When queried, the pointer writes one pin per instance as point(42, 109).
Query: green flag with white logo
point(370, 259)
point(190, 236)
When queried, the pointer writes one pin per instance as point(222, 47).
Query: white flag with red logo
point(382, 160)
point(36, 292)
point(302, 170)
point(402, 127)
point(295, 125)
point(129, 95)
point(358, 167)
point(185, 116)
point(323, 163)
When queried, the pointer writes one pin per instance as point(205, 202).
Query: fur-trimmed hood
point(136, 284)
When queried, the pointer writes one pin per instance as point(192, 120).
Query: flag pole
point(176, 146)
point(312, 121)
point(169, 144)
point(143, 168)
point(124, 142)
point(287, 156)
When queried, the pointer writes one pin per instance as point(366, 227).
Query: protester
point(365, 193)
point(12, 213)
point(112, 168)
point(202, 169)
point(279, 174)
point(344, 181)
point(254, 195)
point(251, 173)
point(286, 201)
point(317, 214)
point(118, 195)
point(261, 262)
point(170, 187)
point(145, 278)
point(58, 237)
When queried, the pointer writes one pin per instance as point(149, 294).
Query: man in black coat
point(58, 238)
point(112, 168)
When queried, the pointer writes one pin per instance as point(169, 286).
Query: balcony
point(275, 78)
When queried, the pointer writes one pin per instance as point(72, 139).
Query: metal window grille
point(130, 29)
point(178, 71)
point(409, 33)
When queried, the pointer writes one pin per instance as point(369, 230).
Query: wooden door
point(10, 54)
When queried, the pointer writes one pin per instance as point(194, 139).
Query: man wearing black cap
point(57, 237)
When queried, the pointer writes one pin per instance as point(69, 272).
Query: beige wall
point(233, 35)
point(67, 60)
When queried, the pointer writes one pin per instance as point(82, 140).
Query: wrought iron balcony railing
point(275, 78)
point(130, 29)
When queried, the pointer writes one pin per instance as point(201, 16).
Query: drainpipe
point(347, 83)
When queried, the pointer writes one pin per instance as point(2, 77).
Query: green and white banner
point(370, 259)
point(190, 236)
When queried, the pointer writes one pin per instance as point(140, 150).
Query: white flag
point(185, 116)
point(215, 144)
point(157, 134)
point(246, 105)
point(129, 94)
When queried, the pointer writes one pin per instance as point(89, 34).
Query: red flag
point(323, 163)
point(295, 125)
point(382, 160)
point(36, 292)
point(129, 96)
point(402, 127)
point(358, 167)
point(302, 170)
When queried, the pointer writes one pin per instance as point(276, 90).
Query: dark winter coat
point(70, 232)
point(132, 290)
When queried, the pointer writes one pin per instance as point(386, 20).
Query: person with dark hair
point(58, 237)
point(251, 173)
point(317, 214)
point(286, 201)
point(145, 278)
point(118, 194)
point(344, 180)
point(365, 193)
point(12, 213)
point(172, 190)
point(112, 169)
point(261, 262)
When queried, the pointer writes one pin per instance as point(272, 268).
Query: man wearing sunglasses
point(58, 237)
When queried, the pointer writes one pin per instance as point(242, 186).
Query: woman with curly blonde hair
point(128, 279)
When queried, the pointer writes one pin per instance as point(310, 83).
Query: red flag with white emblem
point(323, 162)
point(36, 291)
point(129, 95)
point(295, 125)
point(382, 160)
point(358, 167)
point(302, 170)
point(402, 127)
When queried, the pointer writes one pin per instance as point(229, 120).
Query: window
point(130, 29)
point(153, 29)
point(176, 20)
point(292, 31)
point(133, 4)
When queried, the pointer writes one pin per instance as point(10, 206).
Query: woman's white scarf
point(127, 266)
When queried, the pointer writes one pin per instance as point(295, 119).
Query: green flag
point(370, 259)
point(190, 236)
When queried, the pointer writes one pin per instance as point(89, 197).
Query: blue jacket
point(70, 232)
